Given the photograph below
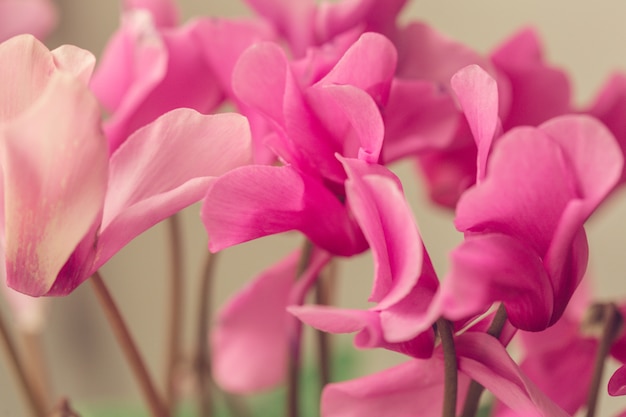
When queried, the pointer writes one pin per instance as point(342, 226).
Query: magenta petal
point(256, 201)
point(617, 383)
point(477, 92)
point(294, 20)
point(56, 157)
point(485, 360)
point(259, 79)
point(374, 52)
point(411, 389)
point(531, 81)
point(251, 339)
point(389, 227)
point(515, 197)
point(418, 118)
point(495, 267)
point(352, 117)
point(165, 167)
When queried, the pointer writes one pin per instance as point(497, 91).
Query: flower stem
point(155, 402)
point(475, 390)
point(293, 371)
point(322, 297)
point(175, 316)
point(612, 324)
point(202, 362)
point(34, 398)
point(444, 328)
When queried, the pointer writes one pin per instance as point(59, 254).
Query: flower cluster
point(326, 96)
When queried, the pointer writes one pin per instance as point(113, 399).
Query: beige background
point(587, 38)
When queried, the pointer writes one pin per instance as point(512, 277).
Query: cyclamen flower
point(149, 68)
point(404, 282)
point(68, 207)
point(523, 222)
point(337, 114)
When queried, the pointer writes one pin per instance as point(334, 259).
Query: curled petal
point(496, 267)
point(56, 159)
point(37, 17)
point(255, 201)
point(477, 92)
point(485, 360)
point(165, 167)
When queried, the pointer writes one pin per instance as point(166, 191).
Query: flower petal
point(251, 339)
point(484, 359)
point(256, 201)
point(165, 167)
point(617, 383)
point(54, 161)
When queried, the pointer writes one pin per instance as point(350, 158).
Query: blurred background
point(585, 38)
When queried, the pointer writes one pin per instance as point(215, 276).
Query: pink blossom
point(68, 206)
point(147, 70)
point(404, 281)
point(524, 239)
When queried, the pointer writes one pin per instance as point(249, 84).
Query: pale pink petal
point(25, 79)
point(57, 160)
point(251, 339)
point(37, 17)
point(164, 12)
point(484, 359)
point(617, 383)
point(165, 167)
point(477, 92)
point(78, 62)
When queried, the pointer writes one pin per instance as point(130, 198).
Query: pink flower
point(311, 123)
point(617, 383)
point(68, 206)
point(404, 282)
point(524, 239)
point(147, 70)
